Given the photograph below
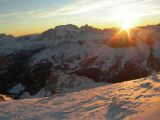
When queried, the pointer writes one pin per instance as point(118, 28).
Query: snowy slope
point(133, 100)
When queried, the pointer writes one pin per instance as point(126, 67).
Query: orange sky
point(19, 17)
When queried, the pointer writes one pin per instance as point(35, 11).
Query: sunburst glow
point(127, 25)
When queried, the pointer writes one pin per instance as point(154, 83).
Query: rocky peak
point(62, 32)
point(68, 27)
point(88, 28)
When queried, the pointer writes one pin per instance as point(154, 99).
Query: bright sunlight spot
point(127, 25)
point(126, 18)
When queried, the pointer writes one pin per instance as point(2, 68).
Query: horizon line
point(79, 26)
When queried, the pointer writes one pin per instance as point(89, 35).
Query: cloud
point(96, 10)
point(9, 14)
point(108, 9)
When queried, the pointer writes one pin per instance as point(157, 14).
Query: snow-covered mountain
point(27, 63)
point(131, 100)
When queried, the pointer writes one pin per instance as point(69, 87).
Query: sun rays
point(123, 37)
point(128, 35)
point(127, 25)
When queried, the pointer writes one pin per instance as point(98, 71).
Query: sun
point(127, 25)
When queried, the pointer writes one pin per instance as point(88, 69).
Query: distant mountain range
point(56, 59)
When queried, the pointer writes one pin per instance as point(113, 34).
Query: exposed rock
point(84, 51)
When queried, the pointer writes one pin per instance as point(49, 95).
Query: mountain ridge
point(84, 51)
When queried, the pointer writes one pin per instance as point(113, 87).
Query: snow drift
point(131, 100)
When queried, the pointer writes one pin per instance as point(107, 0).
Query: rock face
point(85, 51)
point(61, 32)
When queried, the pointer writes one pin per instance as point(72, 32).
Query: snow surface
point(132, 100)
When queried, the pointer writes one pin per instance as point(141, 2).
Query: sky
point(19, 17)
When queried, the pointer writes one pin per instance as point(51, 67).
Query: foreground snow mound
point(132, 100)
